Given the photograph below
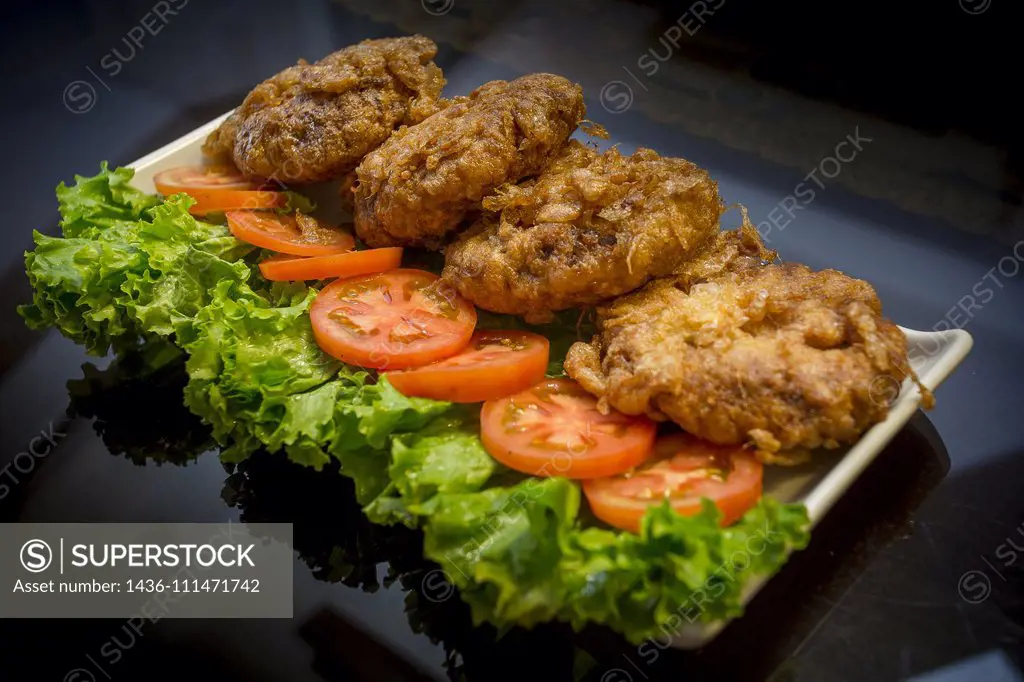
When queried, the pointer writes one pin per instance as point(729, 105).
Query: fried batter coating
point(734, 250)
point(420, 184)
point(590, 227)
point(315, 122)
point(219, 145)
point(778, 356)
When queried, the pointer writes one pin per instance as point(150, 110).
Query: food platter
point(818, 484)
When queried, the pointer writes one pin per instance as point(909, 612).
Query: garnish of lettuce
point(520, 554)
point(299, 202)
point(130, 268)
point(127, 266)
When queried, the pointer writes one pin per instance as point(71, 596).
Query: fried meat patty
point(590, 227)
point(420, 184)
point(739, 352)
point(314, 122)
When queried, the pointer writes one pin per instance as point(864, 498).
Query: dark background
point(759, 95)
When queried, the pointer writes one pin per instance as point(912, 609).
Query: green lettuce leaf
point(365, 424)
point(257, 375)
point(185, 259)
point(77, 288)
point(299, 202)
point(128, 266)
point(445, 456)
point(520, 558)
point(521, 554)
point(131, 269)
point(103, 203)
point(259, 378)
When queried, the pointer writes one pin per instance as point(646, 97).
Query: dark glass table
point(915, 574)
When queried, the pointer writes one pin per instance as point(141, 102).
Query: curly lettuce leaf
point(186, 258)
point(521, 549)
point(102, 203)
point(131, 267)
point(521, 554)
point(259, 378)
point(76, 287)
point(128, 266)
point(257, 375)
point(519, 557)
point(678, 570)
point(445, 456)
point(365, 424)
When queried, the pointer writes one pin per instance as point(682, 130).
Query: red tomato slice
point(222, 200)
point(184, 178)
point(683, 470)
point(348, 264)
point(216, 188)
point(494, 364)
point(555, 429)
point(298, 235)
point(392, 320)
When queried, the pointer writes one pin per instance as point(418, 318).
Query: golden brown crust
point(777, 356)
point(420, 184)
point(590, 227)
point(734, 250)
point(219, 145)
point(315, 122)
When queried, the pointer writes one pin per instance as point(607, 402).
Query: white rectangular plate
point(818, 484)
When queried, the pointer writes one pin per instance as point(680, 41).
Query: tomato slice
point(683, 470)
point(298, 235)
point(494, 364)
point(222, 200)
point(348, 264)
point(185, 178)
point(216, 188)
point(392, 320)
point(555, 429)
